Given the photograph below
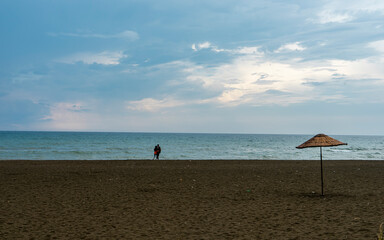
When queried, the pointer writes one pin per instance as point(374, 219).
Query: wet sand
point(190, 199)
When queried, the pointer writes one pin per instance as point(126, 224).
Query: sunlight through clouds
point(255, 78)
point(251, 79)
point(246, 78)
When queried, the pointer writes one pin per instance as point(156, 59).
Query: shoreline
point(188, 160)
point(190, 199)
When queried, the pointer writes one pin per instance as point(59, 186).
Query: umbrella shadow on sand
point(329, 195)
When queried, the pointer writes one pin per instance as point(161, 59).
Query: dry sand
point(190, 200)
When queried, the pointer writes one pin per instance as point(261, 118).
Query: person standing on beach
point(157, 152)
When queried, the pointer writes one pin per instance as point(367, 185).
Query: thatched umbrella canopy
point(321, 140)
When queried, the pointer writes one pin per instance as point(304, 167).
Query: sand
point(190, 200)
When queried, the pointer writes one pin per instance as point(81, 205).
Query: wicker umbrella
point(321, 140)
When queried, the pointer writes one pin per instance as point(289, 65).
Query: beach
point(199, 199)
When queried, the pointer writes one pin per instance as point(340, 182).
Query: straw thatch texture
point(321, 140)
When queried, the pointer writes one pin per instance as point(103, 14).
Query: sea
point(179, 146)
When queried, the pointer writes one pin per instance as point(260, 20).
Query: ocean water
point(179, 146)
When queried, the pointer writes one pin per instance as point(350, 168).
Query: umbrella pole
point(321, 164)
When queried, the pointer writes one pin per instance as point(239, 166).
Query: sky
point(219, 66)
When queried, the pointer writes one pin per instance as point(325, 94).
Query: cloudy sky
point(223, 66)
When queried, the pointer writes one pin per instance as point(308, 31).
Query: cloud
point(251, 79)
point(342, 12)
point(331, 16)
point(153, 105)
point(255, 50)
point(290, 47)
point(206, 45)
point(200, 46)
point(91, 115)
point(68, 116)
point(131, 35)
point(104, 58)
point(26, 77)
point(377, 45)
point(254, 78)
point(128, 35)
point(248, 78)
point(247, 50)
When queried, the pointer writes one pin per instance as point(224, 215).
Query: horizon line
point(223, 133)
